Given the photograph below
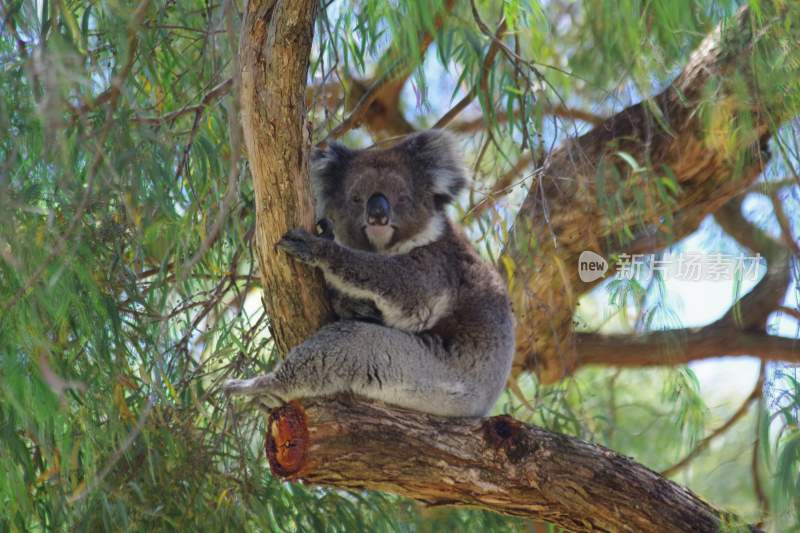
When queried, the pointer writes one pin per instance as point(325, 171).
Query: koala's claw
point(325, 229)
point(258, 388)
point(298, 243)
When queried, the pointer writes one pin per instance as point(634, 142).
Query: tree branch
point(501, 186)
point(753, 309)
point(794, 313)
point(562, 216)
point(730, 219)
point(559, 110)
point(786, 227)
point(675, 347)
point(740, 332)
point(497, 463)
point(360, 110)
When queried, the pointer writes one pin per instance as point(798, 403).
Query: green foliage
point(123, 304)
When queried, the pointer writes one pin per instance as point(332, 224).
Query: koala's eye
point(356, 199)
point(404, 199)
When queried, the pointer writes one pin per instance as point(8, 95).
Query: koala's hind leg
point(374, 361)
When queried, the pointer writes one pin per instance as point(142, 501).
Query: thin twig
point(794, 313)
point(391, 77)
point(215, 93)
point(115, 87)
point(501, 187)
point(783, 221)
point(232, 192)
point(559, 110)
point(354, 118)
point(737, 415)
point(758, 488)
point(486, 68)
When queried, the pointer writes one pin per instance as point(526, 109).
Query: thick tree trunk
point(274, 53)
point(496, 463)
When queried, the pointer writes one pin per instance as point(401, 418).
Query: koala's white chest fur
point(422, 317)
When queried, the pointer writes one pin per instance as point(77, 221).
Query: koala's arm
point(411, 294)
point(349, 308)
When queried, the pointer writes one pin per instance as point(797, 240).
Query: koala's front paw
point(301, 245)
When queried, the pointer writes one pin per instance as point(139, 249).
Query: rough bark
point(563, 216)
point(497, 463)
point(274, 54)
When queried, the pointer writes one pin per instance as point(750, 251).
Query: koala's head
point(390, 199)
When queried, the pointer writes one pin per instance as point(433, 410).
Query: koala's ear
point(328, 167)
point(435, 156)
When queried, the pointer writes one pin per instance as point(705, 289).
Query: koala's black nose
point(378, 210)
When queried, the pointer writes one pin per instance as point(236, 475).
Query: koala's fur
point(433, 328)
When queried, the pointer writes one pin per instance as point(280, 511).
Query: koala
point(426, 323)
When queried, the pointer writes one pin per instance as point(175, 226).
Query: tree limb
point(559, 110)
point(359, 112)
point(786, 227)
point(562, 216)
point(794, 313)
point(496, 463)
point(675, 347)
